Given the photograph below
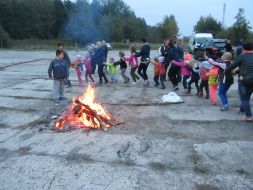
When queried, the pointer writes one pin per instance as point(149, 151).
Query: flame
point(83, 120)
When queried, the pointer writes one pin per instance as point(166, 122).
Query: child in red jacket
point(162, 71)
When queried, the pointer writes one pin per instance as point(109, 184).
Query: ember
point(85, 113)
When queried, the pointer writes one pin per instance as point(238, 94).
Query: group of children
point(210, 73)
point(110, 65)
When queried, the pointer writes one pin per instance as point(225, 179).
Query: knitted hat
point(206, 65)
point(161, 59)
point(187, 57)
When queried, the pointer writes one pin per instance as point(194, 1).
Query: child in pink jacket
point(79, 69)
point(185, 71)
point(133, 62)
point(88, 67)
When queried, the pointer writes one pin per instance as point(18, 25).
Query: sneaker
point(175, 88)
point(214, 103)
point(207, 96)
point(63, 98)
point(133, 83)
point(200, 94)
point(247, 118)
point(224, 108)
point(56, 102)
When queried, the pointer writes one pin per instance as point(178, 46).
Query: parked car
point(220, 43)
point(197, 39)
point(210, 47)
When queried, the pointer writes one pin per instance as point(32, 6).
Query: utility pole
point(224, 13)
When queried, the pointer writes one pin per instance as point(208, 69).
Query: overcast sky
point(187, 12)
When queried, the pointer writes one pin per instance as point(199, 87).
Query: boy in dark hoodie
point(59, 67)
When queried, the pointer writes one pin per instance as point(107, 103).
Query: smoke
point(86, 23)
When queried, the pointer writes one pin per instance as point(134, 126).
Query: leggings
point(196, 85)
point(213, 89)
point(133, 75)
point(204, 84)
point(101, 73)
point(142, 71)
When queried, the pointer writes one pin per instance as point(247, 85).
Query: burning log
point(84, 113)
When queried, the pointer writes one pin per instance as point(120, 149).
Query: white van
point(197, 39)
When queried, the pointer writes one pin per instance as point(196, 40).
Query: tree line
point(85, 22)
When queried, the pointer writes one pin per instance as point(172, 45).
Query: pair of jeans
point(245, 93)
point(133, 75)
point(204, 84)
point(101, 73)
point(223, 93)
point(185, 77)
point(213, 89)
point(58, 89)
point(113, 77)
point(123, 74)
point(142, 71)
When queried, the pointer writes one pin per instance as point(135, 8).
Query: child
point(79, 69)
point(185, 71)
point(162, 71)
point(205, 68)
point(225, 80)
point(88, 68)
point(59, 67)
point(212, 81)
point(156, 71)
point(133, 62)
point(194, 78)
point(123, 66)
point(112, 70)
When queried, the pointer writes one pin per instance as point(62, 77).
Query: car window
point(220, 44)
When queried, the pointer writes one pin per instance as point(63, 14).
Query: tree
point(208, 25)
point(168, 27)
point(241, 27)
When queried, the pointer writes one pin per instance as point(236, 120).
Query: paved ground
point(182, 146)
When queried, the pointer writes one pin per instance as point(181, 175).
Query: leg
point(136, 76)
point(156, 78)
point(123, 74)
point(140, 68)
point(100, 73)
point(145, 71)
point(132, 73)
point(162, 79)
point(245, 95)
point(62, 88)
point(56, 90)
point(190, 85)
point(185, 81)
point(222, 94)
point(213, 89)
point(197, 85)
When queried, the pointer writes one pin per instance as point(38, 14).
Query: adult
point(245, 64)
point(99, 60)
point(145, 60)
point(228, 46)
point(164, 52)
point(67, 59)
point(239, 47)
point(105, 51)
point(174, 69)
point(92, 52)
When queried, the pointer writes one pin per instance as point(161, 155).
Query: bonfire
point(85, 113)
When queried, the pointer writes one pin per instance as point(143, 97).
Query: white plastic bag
point(172, 97)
